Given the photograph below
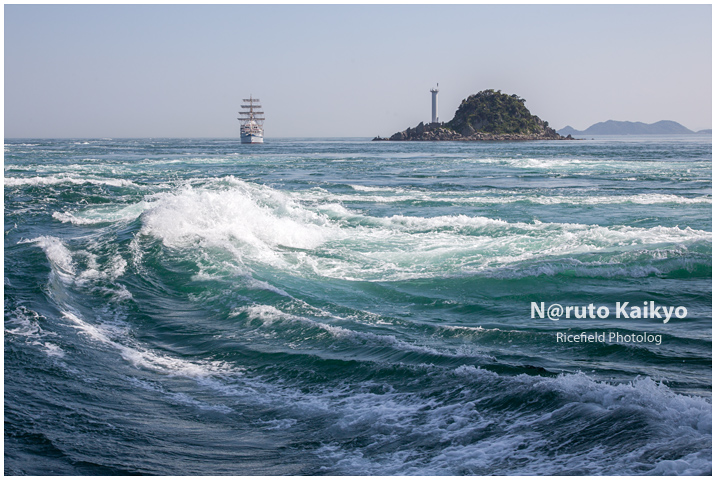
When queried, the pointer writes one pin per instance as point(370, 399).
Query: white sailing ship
point(252, 129)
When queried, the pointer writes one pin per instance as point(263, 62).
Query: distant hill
point(708, 130)
point(613, 127)
point(568, 131)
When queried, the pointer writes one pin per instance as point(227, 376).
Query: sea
point(341, 307)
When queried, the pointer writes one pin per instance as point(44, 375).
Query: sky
point(89, 71)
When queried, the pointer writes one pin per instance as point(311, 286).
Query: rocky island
point(486, 116)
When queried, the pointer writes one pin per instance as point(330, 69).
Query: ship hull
point(251, 138)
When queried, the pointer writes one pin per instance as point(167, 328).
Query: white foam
point(59, 179)
point(679, 410)
point(102, 214)
point(414, 247)
point(53, 350)
point(518, 443)
point(65, 267)
point(261, 285)
point(278, 424)
point(642, 199)
point(586, 165)
point(373, 188)
point(143, 358)
point(258, 225)
point(245, 220)
point(56, 252)
point(116, 268)
point(698, 463)
point(400, 195)
point(225, 215)
point(25, 324)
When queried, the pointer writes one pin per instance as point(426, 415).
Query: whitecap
point(55, 180)
point(57, 253)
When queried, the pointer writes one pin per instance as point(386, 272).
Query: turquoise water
point(340, 306)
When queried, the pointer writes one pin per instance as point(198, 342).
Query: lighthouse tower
point(434, 91)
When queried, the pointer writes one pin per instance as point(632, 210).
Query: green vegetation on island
point(494, 112)
point(487, 115)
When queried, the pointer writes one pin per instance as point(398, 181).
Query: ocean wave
point(632, 264)
point(179, 397)
point(144, 358)
point(103, 214)
point(641, 199)
point(55, 180)
point(261, 220)
point(56, 252)
point(401, 195)
point(261, 225)
point(268, 315)
point(463, 420)
point(26, 324)
point(602, 166)
point(83, 269)
point(368, 328)
point(681, 411)
point(473, 434)
point(374, 188)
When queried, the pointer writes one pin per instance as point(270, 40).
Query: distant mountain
point(708, 130)
point(613, 127)
point(568, 131)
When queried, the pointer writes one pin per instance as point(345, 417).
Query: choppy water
point(343, 307)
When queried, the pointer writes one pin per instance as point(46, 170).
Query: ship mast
point(251, 115)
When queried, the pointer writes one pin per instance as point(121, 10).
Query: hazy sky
point(366, 70)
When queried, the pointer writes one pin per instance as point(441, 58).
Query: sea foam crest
point(57, 253)
point(259, 218)
point(144, 358)
point(680, 410)
point(402, 195)
point(588, 165)
point(461, 428)
point(81, 268)
point(25, 324)
point(55, 180)
point(102, 214)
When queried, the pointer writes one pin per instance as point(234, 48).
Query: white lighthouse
point(434, 91)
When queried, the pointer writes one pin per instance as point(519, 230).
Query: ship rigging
point(252, 130)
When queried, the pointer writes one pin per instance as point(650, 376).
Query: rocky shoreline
point(438, 132)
